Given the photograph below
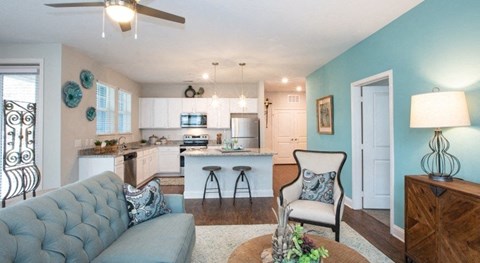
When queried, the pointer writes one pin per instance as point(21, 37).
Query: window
point(105, 109)
point(19, 83)
point(124, 112)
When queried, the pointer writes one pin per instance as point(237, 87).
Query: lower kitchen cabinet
point(169, 159)
point(90, 166)
point(147, 163)
point(442, 220)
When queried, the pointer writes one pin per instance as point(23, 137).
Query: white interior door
point(376, 147)
point(283, 137)
point(289, 133)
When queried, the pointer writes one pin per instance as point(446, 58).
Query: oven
point(192, 142)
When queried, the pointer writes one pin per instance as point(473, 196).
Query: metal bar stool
point(243, 177)
point(210, 177)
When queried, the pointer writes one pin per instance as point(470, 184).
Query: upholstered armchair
point(316, 195)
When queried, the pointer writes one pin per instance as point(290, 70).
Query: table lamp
point(439, 110)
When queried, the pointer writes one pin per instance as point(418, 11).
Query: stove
point(191, 142)
point(194, 141)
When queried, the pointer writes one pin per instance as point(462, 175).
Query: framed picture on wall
point(325, 115)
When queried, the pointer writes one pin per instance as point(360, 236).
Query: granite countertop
point(219, 152)
point(131, 147)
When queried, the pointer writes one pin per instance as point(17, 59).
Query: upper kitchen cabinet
point(195, 105)
point(146, 113)
point(153, 113)
point(251, 106)
point(219, 117)
point(174, 110)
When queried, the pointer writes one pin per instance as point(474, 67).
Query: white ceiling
point(275, 38)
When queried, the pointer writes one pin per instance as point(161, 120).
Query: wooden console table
point(250, 250)
point(442, 220)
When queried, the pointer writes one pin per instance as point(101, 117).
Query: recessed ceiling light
point(284, 80)
point(205, 76)
point(298, 88)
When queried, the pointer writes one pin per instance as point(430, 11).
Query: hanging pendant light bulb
point(215, 101)
point(242, 101)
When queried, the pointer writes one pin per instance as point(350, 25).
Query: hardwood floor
point(260, 212)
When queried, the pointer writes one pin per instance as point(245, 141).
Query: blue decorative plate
point(72, 94)
point(91, 113)
point(86, 78)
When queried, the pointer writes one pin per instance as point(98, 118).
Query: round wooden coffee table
point(250, 250)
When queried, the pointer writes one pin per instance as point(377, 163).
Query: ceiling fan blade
point(144, 10)
point(125, 26)
point(77, 4)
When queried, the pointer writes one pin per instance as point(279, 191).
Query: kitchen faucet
point(124, 145)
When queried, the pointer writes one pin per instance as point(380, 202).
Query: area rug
point(214, 244)
point(171, 181)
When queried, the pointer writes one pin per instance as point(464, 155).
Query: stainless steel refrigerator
point(245, 128)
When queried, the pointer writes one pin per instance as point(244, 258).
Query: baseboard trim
point(395, 231)
point(348, 202)
point(398, 233)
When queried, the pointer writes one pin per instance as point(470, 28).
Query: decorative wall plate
point(72, 94)
point(86, 78)
point(91, 113)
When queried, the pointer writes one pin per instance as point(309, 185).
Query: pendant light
point(215, 101)
point(242, 100)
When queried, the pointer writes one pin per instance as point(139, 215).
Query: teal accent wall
point(436, 44)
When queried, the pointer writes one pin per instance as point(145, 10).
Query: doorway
point(372, 146)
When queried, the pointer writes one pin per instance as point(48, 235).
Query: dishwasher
point(130, 168)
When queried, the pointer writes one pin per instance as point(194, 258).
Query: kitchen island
point(260, 177)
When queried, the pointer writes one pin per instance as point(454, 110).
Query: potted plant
point(98, 146)
point(143, 142)
point(303, 249)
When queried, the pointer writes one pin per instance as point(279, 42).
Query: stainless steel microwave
point(193, 120)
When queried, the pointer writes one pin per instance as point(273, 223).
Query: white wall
point(51, 56)
point(75, 125)
point(224, 90)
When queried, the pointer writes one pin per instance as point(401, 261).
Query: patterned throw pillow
point(146, 203)
point(318, 187)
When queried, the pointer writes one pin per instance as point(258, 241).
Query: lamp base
point(441, 177)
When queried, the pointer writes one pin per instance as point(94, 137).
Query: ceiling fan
point(123, 11)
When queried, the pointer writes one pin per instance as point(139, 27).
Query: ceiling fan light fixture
point(121, 11)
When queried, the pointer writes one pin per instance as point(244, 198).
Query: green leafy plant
point(304, 250)
point(98, 143)
point(143, 141)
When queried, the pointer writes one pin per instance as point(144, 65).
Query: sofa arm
point(175, 202)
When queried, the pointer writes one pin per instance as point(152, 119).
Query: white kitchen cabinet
point(146, 111)
point(202, 105)
point(168, 159)
point(89, 166)
point(219, 117)
point(188, 105)
point(251, 105)
point(160, 113)
point(195, 104)
point(153, 113)
point(174, 110)
point(146, 164)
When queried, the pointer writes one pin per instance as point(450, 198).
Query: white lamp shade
point(439, 109)
point(120, 13)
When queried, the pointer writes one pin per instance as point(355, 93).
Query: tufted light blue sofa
point(87, 222)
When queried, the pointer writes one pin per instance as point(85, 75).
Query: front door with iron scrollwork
point(19, 166)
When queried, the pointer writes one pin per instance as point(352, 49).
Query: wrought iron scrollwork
point(19, 166)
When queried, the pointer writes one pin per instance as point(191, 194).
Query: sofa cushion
point(146, 203)
point(318, 187)
point(168, 238)
point(74, 223)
